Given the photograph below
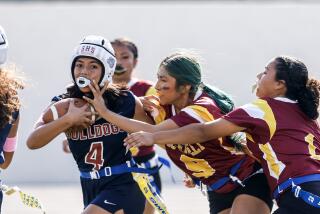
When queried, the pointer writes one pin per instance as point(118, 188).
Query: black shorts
point(256, 186)
point(153, 177)
point(112, 198)
point(289, 204)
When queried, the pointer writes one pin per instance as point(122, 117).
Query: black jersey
point(101, 144)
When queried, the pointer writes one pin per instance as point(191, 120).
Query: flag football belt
point(308, 197)
point(222, 181)
point(155, 161)
point(27, 199)
point(129, 166)
point(152, 196)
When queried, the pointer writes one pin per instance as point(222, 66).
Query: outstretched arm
point(140, 122)
point(194, 133)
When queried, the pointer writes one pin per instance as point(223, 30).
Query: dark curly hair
point(9, 101)
point(300, 87)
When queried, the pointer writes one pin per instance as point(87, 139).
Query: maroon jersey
point(282, 137)
point(142, 88)
point(208, 161)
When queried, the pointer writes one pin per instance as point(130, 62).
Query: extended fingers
point(105, 86)
point(131, 140)
point(88, 99)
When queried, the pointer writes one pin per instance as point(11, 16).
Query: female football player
point(104, 165)
point(9, 105)
point(282, 129)
point(233, 185)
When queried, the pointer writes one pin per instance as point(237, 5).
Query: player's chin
point(258, 93)
point(163, 101)
point(85, 89)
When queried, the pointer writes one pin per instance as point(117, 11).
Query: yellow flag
point(27, 199)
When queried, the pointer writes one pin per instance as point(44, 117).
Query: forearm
point(7, 159)
point(197, 133)
point(190, 134)
point(43, 134)
point(126, 124)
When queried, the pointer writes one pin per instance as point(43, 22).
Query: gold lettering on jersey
point(188, 149)
point(95, 131)
point(198, 167)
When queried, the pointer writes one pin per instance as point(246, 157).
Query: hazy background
point(236, 40)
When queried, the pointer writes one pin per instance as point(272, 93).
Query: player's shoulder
point(205, 102)
point(144, 83)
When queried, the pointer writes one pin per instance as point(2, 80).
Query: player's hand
point(188, 182)
point(65, 146)
point(79, 117)
point(139, 139)
point(149, 102)
point(97, 102)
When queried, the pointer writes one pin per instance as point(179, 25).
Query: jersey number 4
point(95, 155)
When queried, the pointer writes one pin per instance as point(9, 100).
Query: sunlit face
point(125, 59)
point(166, 88)
point(88, 68)
point(267, 85)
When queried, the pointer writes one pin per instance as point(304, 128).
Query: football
point(60, 108)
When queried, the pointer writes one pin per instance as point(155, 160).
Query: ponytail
point(299, 86)
point(308, 99)
point(222, 99)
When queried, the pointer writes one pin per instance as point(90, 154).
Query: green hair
point(186, 69)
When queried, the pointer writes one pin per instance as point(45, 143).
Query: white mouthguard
point(82, 82)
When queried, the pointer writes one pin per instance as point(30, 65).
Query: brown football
point(61, 107)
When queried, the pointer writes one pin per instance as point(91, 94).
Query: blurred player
point(9, 105)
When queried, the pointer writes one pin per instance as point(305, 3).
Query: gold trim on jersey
point(199, 113)
point(261, 109)
point(275, 166)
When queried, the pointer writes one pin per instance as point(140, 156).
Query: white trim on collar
point(284, 99)
point(198, 94)
point(173, 110)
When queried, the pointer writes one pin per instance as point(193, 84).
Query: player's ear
point(135, 61)
point(184, 88)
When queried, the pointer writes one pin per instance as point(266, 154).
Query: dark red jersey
point(142, 88)
point(208, 161)
point(282, 137)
